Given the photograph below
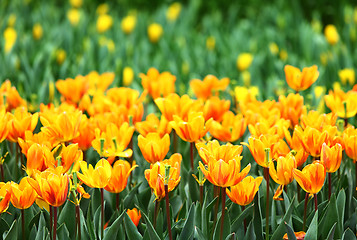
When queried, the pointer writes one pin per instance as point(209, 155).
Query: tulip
point(73, 16)
point(155, 31)
point(104, 23)
point(173, 11)
point(230, 129)
point(97, 177)
point(20, 122)
point(243, 193)
point(298, 80)
point(299, 235)
point(347, 75)
point(128, 76)
point(292, 107)
point(331, 34)
point(134, 215)
point(10, 36)
point(311, 178)
point(153, 147)
point(39, 157)
point(37, 31)
point(342, 104)
point(153, 124)
point(158, 84)
point(210, 84)
point(128, 24)
point(244, 60)
point(215, 108)
point(311, 139)
point(23, 194)
point(73, 90)
point(5, 196)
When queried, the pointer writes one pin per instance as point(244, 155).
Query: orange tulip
point(30, 139)
point(311, 178)
point(99, 82)
point(255, 111)
point(298, 80)
point(243, 193)
point(134, 215)
point(193, 129)
point(158, 84)
point(283, 173)
point(153, 124)
point(120, 172)
point(115, 138)
point(173, 104)
point(295, 144)
point(215, 108)
point(331, 157)
point(263, 127)
point(350, 143)
point(23, 195)
point(70, 155)
point(212, 150)
point(39, 157)
point(4, 118)
point(13, 98)
point(51, 185)
point(20, 122)
point(292, 107)
point(299, 235)
point(342, 104)
point(97, 177)
point(5, 195)
point(205, 88)
point(153, 147)
point(316, 120)
point(230, 129)
point(73, 90)
point(86, 133)
point(155, 175)
point(311, 139)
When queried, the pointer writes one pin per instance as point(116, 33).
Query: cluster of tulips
point(51, 144)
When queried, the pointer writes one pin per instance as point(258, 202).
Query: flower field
point(178, 120)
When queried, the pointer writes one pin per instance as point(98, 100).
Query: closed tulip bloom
point(292, 107)
point(97, 177)
point(153, 147)
point(128, 76)
point(11, 95)
point(243, 193)
point(158, 84)
point(155, 31)
point(73, 16)
point(155, 175)
point(37, 31)
point(51, 185)
point(230, 129)
point(39, 157)
point(193, 129)
point(350, 143)
point(208, 86)
point(213, 150)
point(311, 178)
point(173, 11)
point(5, 195)
point(215, 108)
point(120, 172)
point(153, 124)
point(71, 155)
point(331, 34)
point(347, 75)
point(23, 195)
point(128, 24)
point(311, 139)
point(341, 103)
point(104, 23)
point(86, 133)
point(331, 157)
point(20, 122)
point(244, 60)
point(298, 80)
point(134, 215)
point(4, 118)
point(73, 89)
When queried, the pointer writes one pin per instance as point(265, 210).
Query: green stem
point(192, 145)
point(156, 212)
point(266, 175)
point(78, 216)
point(329, 186)
point(168, 211)
point(244, 221)
point(315, 198)
point(51, 217)
point(223, 210)
point(305, 210)
point(2, 172)
point(102, 211)
point(23, 223)
point(201, 195)
point(54, 223)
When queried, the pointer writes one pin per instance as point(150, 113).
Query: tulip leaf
point(239, 220)
point(41, 228)
point(189, 225)
point(90, 224)
point(33, 232)
point(62, 232)
point(199, 235)
point(341, 203)
point(112, 231)
point(231, 236)
point(12, 233)
point(348, 235)
point(205, 215)
point(150, 229)
point(198, 215)
point(68, 216)
point(129, 199)
point(226, 227)
point(160, 223)
point(250, 234)
point(193, 187)
point(130, 228)
point(273, 216)
point(3, 226)
point(329, 219)
point(287, 205)
point(280, 231)
point(290, 232)
point(312, 230)
point(332, 232)
point(257, 218)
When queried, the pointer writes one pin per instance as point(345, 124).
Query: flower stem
point(192, 145)
point(201, 195)
point(329, 186)
point(102, 211)
point(156, 212)
point(168, 211)
point(244, 221)
point(215, 194)
point(54, 223)
point(51, 217)
point(23, 223)
point(117, 200)
point(315, 198)
point(2, 172)
point(78, 216)
point(305, 210)
point(266, 176)
point(223, 210)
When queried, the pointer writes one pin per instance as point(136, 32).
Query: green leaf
point(89, 221)
point(250, 234)
point(112, 231)
point(348, 235)
point(206, 210)
point(238, 222)
point(150, 229)
point(287, 205)
point(257, 218)
point(68, 216)
point(130, 228)
point(12, 233)
point(129, 199)
point(226, 227)
point(332, 232)
point(3, 226)
point(280, 231)
point(312, 230)
point(231, 236)
point(193, 187)
point(41, 228)
point(290, 232)
point(341, 204)
point(62, 232)
point(329, 219)
point(189, 225)
point(199, 235)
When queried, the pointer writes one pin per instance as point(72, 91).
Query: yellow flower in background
point(128, 76)
point(128, 24)
point(12, 20)
point(210, 43)
point(243, 94)
point(60, 56)
point(74, 16)
point(244, 61)
point(110, 45)
point(347, 75)
point(10, 36)
point(331, 34)
point(104, 23)
point(274, 49)
point(102, 9)
point(173, 11)
point(246, 78)
point(37, 31)
point(283, 54)
point(154, 32)
point(76, 3)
